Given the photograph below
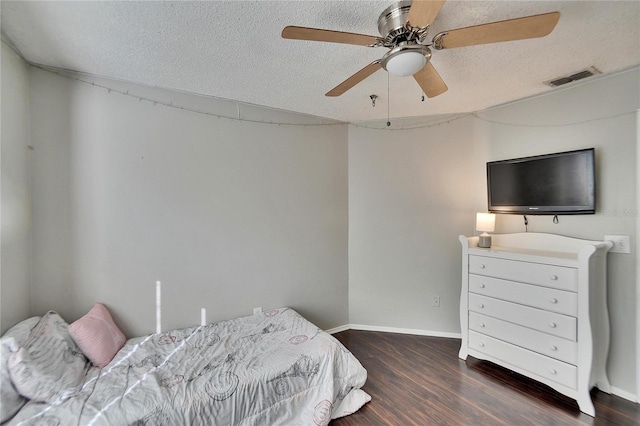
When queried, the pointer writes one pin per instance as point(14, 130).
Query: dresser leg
point(585, 404)
point(464, 346)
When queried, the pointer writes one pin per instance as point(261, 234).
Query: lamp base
point(484, 241)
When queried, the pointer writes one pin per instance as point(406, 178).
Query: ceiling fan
point(404, 26)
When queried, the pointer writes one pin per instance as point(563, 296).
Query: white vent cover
point(559, 81)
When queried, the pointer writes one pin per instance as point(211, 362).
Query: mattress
point(272, 368)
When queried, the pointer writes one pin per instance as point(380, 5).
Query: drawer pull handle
point(482, 285)
point(553, 300)
point(553, 348)
point(482, 266)
point(553, 325)
point(482, 325)
point(480, 305)
point(553, 371)
point(554, 277)
point(481, 344)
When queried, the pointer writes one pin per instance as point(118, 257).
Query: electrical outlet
point(435, 302)
point(257, 310)
point(621, 243)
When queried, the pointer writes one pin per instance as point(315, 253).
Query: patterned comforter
point(273, 368)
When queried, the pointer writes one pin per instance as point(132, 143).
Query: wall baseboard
point(414, 331)
point(338, 329)
point(624, 394)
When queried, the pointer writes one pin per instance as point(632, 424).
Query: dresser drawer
point(559, 277)
point(550, 299)
point(548, 322)
point(551, 369)
point(543, 343)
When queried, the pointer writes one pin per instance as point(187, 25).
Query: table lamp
point(485, 222)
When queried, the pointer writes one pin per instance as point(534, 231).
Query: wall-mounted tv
point(559, 183)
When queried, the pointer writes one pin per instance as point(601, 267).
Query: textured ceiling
point(233, 50)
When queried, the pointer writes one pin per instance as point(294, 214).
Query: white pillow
point(49, 367)
point(10, 400)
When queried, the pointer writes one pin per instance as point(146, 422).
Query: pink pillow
point(97, 335)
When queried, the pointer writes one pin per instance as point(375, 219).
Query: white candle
point(203, 316)
point(158, 306)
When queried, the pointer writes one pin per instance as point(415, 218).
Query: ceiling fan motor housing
point(391, 23)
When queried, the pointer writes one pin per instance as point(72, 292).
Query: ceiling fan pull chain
point(388, 102)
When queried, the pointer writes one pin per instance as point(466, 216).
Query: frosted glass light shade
point(485, 222)
point(406, 63)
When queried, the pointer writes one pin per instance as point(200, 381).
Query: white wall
point(15, 190)
point(412, 192)
point(409, 199)
point(228, 214)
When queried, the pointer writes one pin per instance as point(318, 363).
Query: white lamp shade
point(485, 222)
point(406, 63)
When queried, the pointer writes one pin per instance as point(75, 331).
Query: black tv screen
point(560, 183)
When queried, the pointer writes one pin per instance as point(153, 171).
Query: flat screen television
point(553, 184)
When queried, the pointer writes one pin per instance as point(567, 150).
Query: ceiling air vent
point(589, 72)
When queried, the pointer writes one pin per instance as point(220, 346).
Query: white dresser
point(537, 304)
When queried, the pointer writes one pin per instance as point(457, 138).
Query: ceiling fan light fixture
point(404, 60)
point(406, 63)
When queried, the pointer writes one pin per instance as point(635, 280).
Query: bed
point(272, 368)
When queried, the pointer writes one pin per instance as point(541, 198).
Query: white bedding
point(274, 368)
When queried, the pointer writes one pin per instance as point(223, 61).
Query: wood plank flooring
point(417, 380)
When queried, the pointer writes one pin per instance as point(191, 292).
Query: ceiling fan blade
point(355, 79)
point(317, 34)
point(430, 81)
point(423, 12)
point(511, 29)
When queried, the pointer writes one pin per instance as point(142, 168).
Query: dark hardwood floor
point(417, 380)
